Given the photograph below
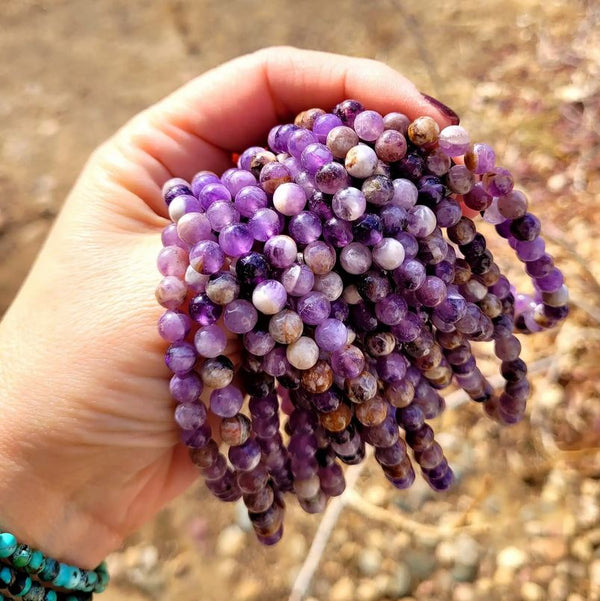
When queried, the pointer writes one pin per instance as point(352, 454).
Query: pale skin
point(88, 447)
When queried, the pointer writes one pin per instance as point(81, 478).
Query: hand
point(88, 447)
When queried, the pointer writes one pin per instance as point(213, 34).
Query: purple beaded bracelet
point(323, 258)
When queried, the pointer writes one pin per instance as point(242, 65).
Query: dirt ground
point(523, 521)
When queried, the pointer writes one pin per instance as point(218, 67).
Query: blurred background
point(523, 521)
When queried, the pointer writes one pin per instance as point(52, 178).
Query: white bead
point(267, 297)
point(351, 295)
point(196, 281)
point(405, 193)
point(307, 488)
point(330, 284)
point(388, 254)
point(361, 161)
point(174, 181)
point(492, 214)
point(177, 208)
point(303, 354)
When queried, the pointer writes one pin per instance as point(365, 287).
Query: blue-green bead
point(68, 577)
point(8, 544)
point(36, 593)
point(50, 595)
point(103, 579)
point(7, 577)
point(21, 557)
point(90, 579)
point(50, 571)
point(20, 586)
point(36, 562)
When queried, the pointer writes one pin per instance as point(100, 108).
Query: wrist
point(46, 498)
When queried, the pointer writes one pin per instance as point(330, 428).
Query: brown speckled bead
point(423, 131)
point(450, 340)
point(259, 160)
point(462, 272)
point(286, 327)
point(318, 378)
point(337, 420)
point(307, 118)
point(399, 394)
point(217, 372)
point(380, 344)
point(439, 377)
point(400, 470)
point(430, 360)
point(235, 430)
point(491, 305)
point(362, 388)
point(340, 140)
point(372, 412)
point(463, 232)
point(490, 277)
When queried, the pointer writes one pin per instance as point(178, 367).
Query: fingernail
point(446, 110)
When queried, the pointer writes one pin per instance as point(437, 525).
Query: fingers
point(234, 105)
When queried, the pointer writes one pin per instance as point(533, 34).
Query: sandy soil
point(523, 521)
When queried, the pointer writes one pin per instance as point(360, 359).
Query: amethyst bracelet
point(337, 265)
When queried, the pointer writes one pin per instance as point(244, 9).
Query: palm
point(96, 388)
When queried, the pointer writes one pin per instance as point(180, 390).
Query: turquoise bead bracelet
point(49, 571)
point(16, 585)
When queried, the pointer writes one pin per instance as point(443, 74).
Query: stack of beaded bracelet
point(340, 262)
point(27, 574)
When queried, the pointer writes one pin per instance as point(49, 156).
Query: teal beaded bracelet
point(49, 571)
point(18, 586)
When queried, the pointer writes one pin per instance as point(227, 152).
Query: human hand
point(88, 447)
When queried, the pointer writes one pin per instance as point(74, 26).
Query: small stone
point(595, 575)
point(400, 581)
point(512, 558)
point(467, 550)
point(582, 549)
point(558, 589)
point(367, 591)
point(377, 495)
point(230, 541)
point(342, 590)
point(249, 589)
point(464, 573)
point(421, 564)
point(445, 553)
point(530, 591)
point(369, 561)
point(463, 592)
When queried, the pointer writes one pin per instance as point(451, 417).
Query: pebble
point(595, 576)
point(582, 549)
point(463, 592)
point(369, 561)
point(367, 590)
point(421, 564)
point(512, 558)
point(378, 495)
point(558, 589)
point(231, 541)
point(400, 581)
point(445, 553)
point(249, 589)
point(464, 573)
point(551, 549)
point(467, 550)
point(530, 591)
point(296, 546)
point(342, 590)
